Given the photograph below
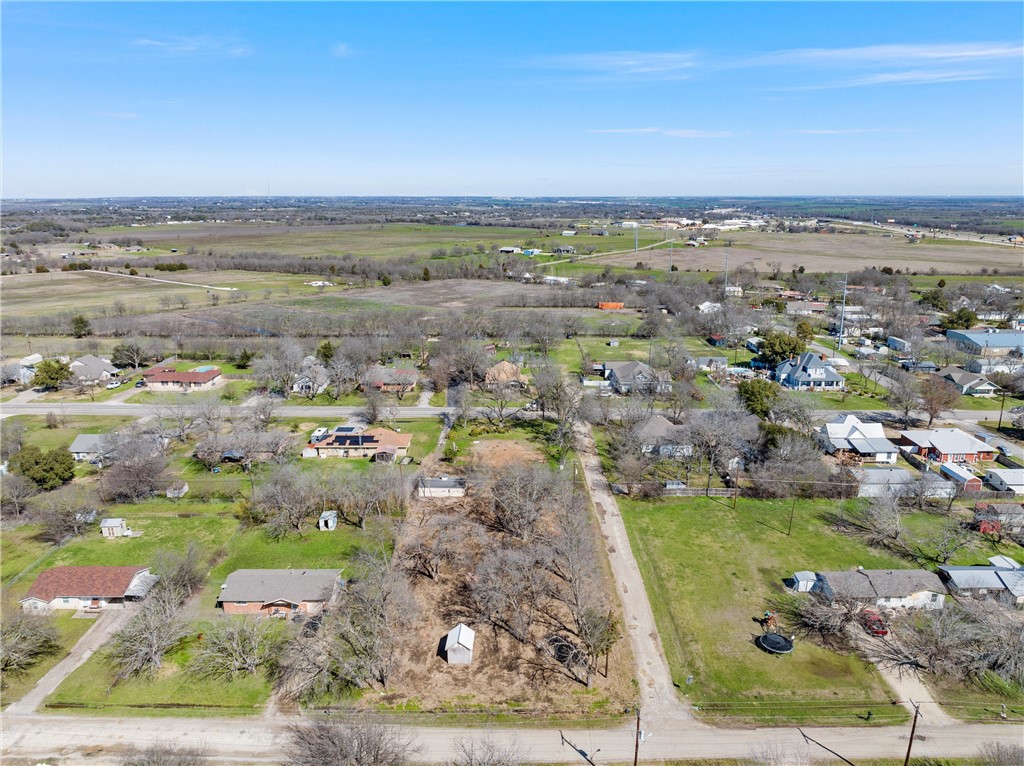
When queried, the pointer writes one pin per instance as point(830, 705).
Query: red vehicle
point(873, 623)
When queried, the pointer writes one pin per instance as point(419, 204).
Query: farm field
point(827, 252)
point(361, 240)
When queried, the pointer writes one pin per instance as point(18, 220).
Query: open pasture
point(826, 252)
point(370, 240)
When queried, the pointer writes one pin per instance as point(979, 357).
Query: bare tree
point(373, 409)
point(12, 435)
point(938, 396)
point(811, 615)
point(66, 513)
point(177, 418)
point(442, 540)
point(207, 415)
point(261, 411)
point(518, 494)
point(326, 742)
point(15, 492)
point(1001, 754)
point(24, 640)
point(487, 751)
point(237, 647)
point(509, 587)
point(182, 573)
point(902, 396)
point(164, 754)
point(135, 465)
point(138, 649)
point(501, 405)
point(946, 541)
point(342, 376)
point(283, 500)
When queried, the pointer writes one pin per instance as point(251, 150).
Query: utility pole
point(636, 748)
point(842, 317)
point(1002, 405)
point(636, 239)
point(792, 511)
point(727, 276)
point(913, 728)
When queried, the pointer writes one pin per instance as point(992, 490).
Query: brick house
point(945, 445)
point(163, 378)
point(89, 588)
point(381, 444)
point(279, 592)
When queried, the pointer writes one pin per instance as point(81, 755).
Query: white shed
point(328, 521)
point(115, 528)
point(442, 486)
point(458, 647)
point(802, 582)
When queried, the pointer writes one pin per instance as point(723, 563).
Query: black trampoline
point(773, 643)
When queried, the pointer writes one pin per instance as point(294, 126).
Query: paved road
point(254, 740)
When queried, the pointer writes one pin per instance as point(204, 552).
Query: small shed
point(177, 490)
point(802, 582)
point(328, 521)
point(458, 646)
point(717, 340)
point(961, 476)
point(115, 528)
point(614, 342)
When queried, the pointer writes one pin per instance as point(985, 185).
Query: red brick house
point(163, 378)
point(279, 592)
point(946, 445)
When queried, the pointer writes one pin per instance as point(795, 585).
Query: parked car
point(140, 383)
point(1003, 449)
point(114, 384)
point(873, 623)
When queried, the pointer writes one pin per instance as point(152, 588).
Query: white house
point(1006, 480)
point(809, 372)
point(458, 646)
point(968, 383)
point(847, 433)
point(91, 588)
point(884, 588)
point(442, 486)
point(87, 447)
point(709, 307)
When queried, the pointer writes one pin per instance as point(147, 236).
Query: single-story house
point(111, 528)
point(328, 521)
point(441, 486)
point(391, 380)
point(381, 444)
point(165, 378)
point(658, 436)
point(510, 250)
point(912, 365)
point(884, 588)
point(849, 434)
point(945, 445)
point(26, 370)
point(809, 372)
point(1001, 580)
point(878, 482)
point(565, 250)
point(805, 308)
point(279, 592)
point(710, 363)
point(733, 291)
point(968, 383)
point(504, 373)
point(88, 447)
point(717, 341)
point(93, 587)
point(961, 476)
point(458, 645)
point(988, 365)
point(709, 307)
point(92, 369)
point(636, 377)
point(1006, 479)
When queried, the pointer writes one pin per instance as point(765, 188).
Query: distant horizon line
point(561, 197)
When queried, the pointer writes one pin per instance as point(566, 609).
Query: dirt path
point(657, 691)
point(106, 625)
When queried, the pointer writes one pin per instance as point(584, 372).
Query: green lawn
point(19, 548)
point(70, 631)
point(981, 403)
point(233, 392)
point(835, 400)
point(173, 691)
point(69, 426)
point(99, 393)
point(710, 570)
point(354, 399)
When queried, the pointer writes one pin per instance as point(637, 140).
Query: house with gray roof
point(809, 372)
point(659, 436)
point(279, 592)
point(441, 486)
point(849, 434)
point(1002, 580)
point(629, 377)
point(88, 447)
point(883, 588)
point(92, 369)
point(968, 383)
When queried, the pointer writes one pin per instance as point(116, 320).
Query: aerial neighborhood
point(439, 488)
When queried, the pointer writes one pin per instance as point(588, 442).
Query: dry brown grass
point(495, 453)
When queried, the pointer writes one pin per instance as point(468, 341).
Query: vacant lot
point(711, 570)
point(827, 252)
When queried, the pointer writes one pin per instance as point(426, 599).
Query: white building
point(1006, 480)
point(442, 486)
point(111, 528)
point(458, 646)
point(847, 433)
point(90, 588)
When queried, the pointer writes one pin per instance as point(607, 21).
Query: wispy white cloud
point(627, 64)
point(910, 77)
point(672, 132)
point(889, 55)
point(200, 45)
point(116, 115)
point(342, 50)
point(847, 131)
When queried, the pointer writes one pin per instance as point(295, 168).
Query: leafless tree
point(210, 451)
point(164, 754)
point(811, 615)
point(15, 493)
point(327, 742)
point(373, 409)
point(501, 405)
point(260, 412)
point(182, 573)
point(879, 521)
point(442, 540)
point(487, 751)
point(207, 415)
point(237, 647)
point(24, 640)
point(138, 649)
point(283, 500)
point(519, 494)
point(938, 396)
point(177, 418)
point(342, 376)
point(66, 513)
point(946, 541)
point(134, 465)
point(1001, 754)
point(12, 435)
point(902, 396)
point(509, 587)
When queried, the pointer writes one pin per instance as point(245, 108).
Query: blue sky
point(127, 99)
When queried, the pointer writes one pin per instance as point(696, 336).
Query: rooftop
point(83, 582)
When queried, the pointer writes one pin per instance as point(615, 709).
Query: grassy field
point(70, 426)
point(173, 691)
point(19, 547)
point(982, 403)
point(70, 630)
point(705, 613)
point(99, 393)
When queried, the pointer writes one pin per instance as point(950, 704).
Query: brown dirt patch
point(496, 453)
